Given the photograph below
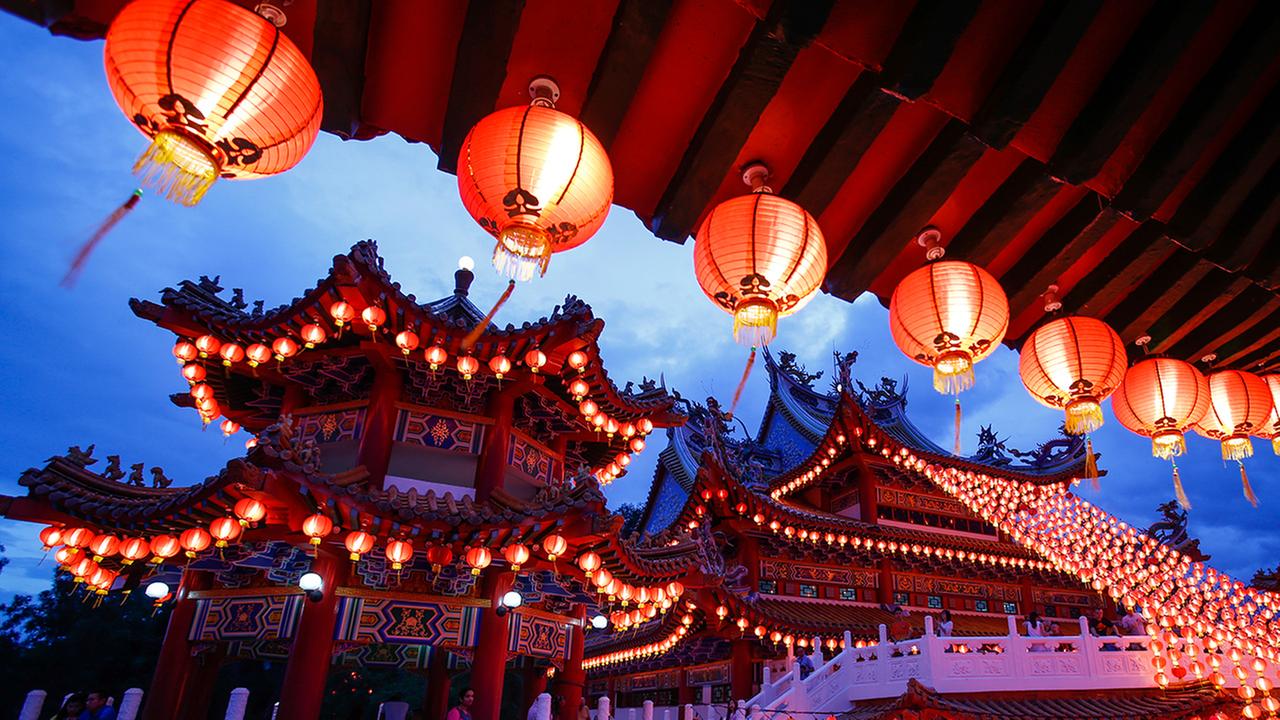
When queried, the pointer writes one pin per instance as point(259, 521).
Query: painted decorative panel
point(930, 585)
point(387, 620)
point(272, 617)
point(800, 572)
point(918, 501)
point(645, 682)
point(532, 460)
point(1061, 597)
point(717, 674)
point(538, 637)
point(328, 427)
point(385, 655)
point(439, 431)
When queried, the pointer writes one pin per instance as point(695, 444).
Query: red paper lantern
point(1073, 363)
point(373, 317)
point(478, 558)
point(1161, 398)
point(312, 335)
point(1239, 405)
point(555, 545)
point(588, 408)
point(77, 537)
point(645, 425)
point(436, 356)
point(537, 180)
point(949, 315)
point(500, 365)
point(194, 372)
point(577, 360)
point(249, 511)
point(468, 366)
point(535, 359)
point(193, 541)
point(316, 527)
point(208, 345)
point(229, 427)
point(231, 353)
point(358, 543)
point(399, 552)
point(164, 547)
point(50, 536)
point(103, 546)
point(637, 444)
point(1273, 432)
point(220, 91)
point(185, 352)
point(589, 562)
point(407, 341)
point(759, 257)
point(224, 531)
point(439, 556)
point(515, 555)
point(134, 549)
point(579, 389)
point(258, 354)
point(342, 313)
point(284, 347)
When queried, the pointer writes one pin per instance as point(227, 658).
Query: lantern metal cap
point(544, 91)
point(1052, 302)
point(755, 174)
point(273, 11)
point(930, 238)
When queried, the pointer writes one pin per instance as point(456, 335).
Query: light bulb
point(599, 622)
point(156, 590)
point(512, 599)
point(310, 581)
point(466, 263)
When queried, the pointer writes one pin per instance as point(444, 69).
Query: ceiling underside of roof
point(1128, 151)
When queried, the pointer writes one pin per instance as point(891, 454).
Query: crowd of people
point(93, 705)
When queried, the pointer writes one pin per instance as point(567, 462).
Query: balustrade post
point(237, 704)
point(130, 703)
point(32, 706)
point(1088, 648)
point(688, 711)
point(883, 651)
point(817, 653)
point(848, 640)
point(602, 708)
point(647, 714)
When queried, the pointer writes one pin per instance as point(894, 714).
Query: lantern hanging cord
point(958, 417)
point(742, 384)
point(1248, 489)
point(1178, 490)
point(82, 255)
point(470, 339)
point(1091, 463)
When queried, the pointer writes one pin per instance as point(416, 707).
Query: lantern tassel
point(958, 415)
point(742, 384)
point(1091, 464)
point(82, 255)
point(176, 167)
point(476, 331)
point(1178, 490)
point(1275, 445)
point(1248, 489)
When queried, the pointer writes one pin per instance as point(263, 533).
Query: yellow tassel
point(755, 322)
point(1083, 416)
point(742, 384)
point(1237, 447)
point(1248, 489)
point(1091, 464)
point(1167, 446)
point(953, 373)
point(1178, 490)
point(479, 329)
point(957, 427)
point(177, 167)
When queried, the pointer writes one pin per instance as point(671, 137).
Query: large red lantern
point(134, 549)
point(358, 543)
point(316, 527)
point(221, 92)
point(1273, 432)
point(515, 555)
point(224, 531)
point(50, 536)
point(1239, 405)
point(1161, 398)
point(194, 541)
point(1073, 363)
point(104, 546)
point(759, 257)
point(537, 180)
point(478, 558)
point(555, 545)
point(249, 511)
point(77, 537)
point(589, 562)
point(398, 553)
point(439, 556)
point(164, 547)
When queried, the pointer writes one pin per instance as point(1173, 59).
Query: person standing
point(584, 712)
point(96, 707)
point(945, 625)
point(462, 711)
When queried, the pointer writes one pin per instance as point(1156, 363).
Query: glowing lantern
point(537, 180)
point(577, 360)
point(1073, 363)
point(948, 315)
point(478, 558)
point(220, 91)
point(164, 547)
point(722, 612)
point(399, 552)
point(436, 356)
point(535, 359)
point(193, 541)
point(194, 372)
point(468, 366)
point(231, 353)
point(50, 536)
point(500, 365)
point(83, 568)
point(1273, 432)
point(65, 556)
point(611, 426)
point(284, 347)
point(439, 556)
point(515, 555)
point(674, 589)
point(224, 531)
point(229, 427)
point(373, 317)
point(77, 537)
point(185, 352)
point(1239, 405)
point(249, 511)
point(407, 341)
point(208, 345)
point(313, 335)
point(555, 545)
point(759, 257)
point(588, 407)
point(644, 425)
point(316, 526)
point(258, 354)
point(579, 389)
point(589, 562)
point(134, 549)
point(1161, 398)
point(200, 391)
point(342, 313)
point(103, 546)
point(358, 543)
point(637, 445)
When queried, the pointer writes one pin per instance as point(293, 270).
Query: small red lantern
point(134, 549)
point(674, 589)
point(201, 391)
point(468, 366)
point(342, 313)
point(500, 365)
point(611, 427)
point(588, 408)
point(577, 360)
point(645, 425)
point(358, 543)
point(231, 353)
point(436, 356)
point(313, 335)
point(164, 547)
point(50, 536)
point(284, 347)
point(637, 445)
point(249, 511)
point(399, 552)
point(579, 389)
point(229, 427)
point(555, 545)
point(83, 568)
point(224, 531)
point(373, 317)
point(478, 558)
point(589, 562)
point(439, 556)
point(66, 555)
point(208, 345)
point(515, 555)
point(258, 354)
point(185, 352)
point(316, 527)
point(77, 537)
point(104, 546)
point(535, 359)
point(407, 341)
point(194, 372)
point(193, 541)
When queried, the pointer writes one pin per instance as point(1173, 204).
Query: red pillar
point(742, 674)
point(1027, 593)
point(380, 420)
point(198, 694)
point(489, 664)
point(302, 693)
point(867, 501)
point(570, 683)
point(492, 466)
point(535, 683)
point(438, 680)
point(886, 580)
point(175, 666)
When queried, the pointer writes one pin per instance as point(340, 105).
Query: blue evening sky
point(79, 368)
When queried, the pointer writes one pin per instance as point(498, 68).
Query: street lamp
point(511, 600)
point(599, 622)
point(312, 584)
